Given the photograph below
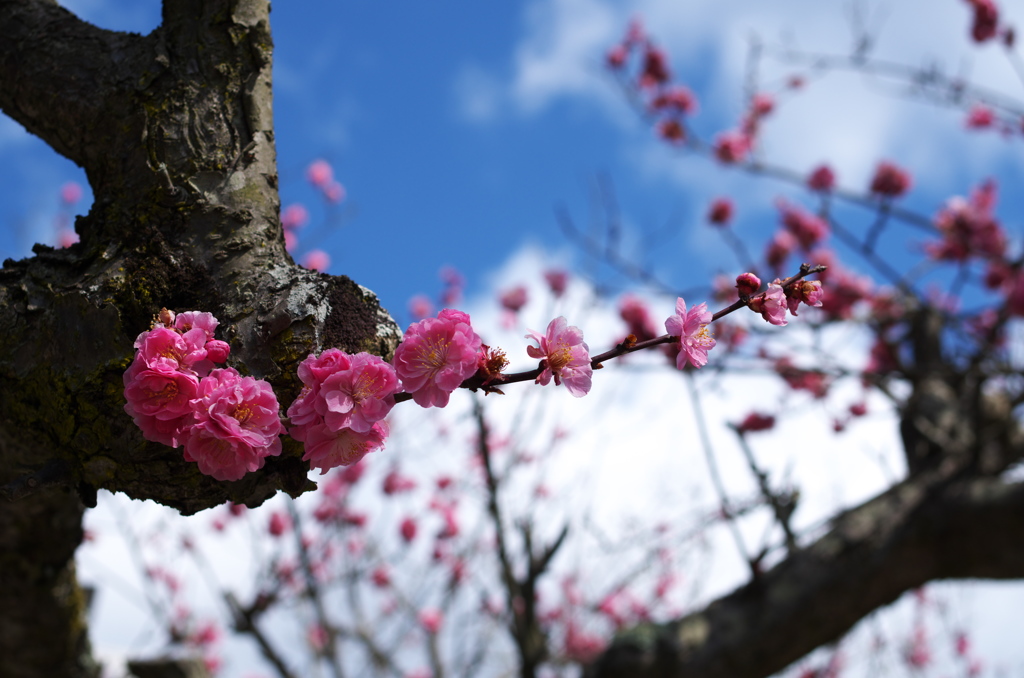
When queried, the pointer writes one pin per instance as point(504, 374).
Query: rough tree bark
point(175, 133)
point(953, 516)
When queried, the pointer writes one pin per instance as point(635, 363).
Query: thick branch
point(58, 74)
point(923, 529)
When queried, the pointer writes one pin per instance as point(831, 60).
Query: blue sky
point(456, 128)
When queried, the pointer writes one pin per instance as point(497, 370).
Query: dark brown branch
point(923, 529)
point(58, 75)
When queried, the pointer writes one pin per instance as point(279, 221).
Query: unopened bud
point(747, 284)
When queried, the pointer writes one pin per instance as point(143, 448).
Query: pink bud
point(747, 284)
point(316, 260)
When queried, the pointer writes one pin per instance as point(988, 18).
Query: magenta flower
point(720, 212)
point(558, 281)
point(821, 179)
point(236, 425)
point(890, 181)
point(436, 356)
point(360, 396)
point(808, 228)
point(807, 291)
point(186, 350)
point(771, 304)
point(564, 356)
point(692, 329)
point(159, 397)
point(326, 449)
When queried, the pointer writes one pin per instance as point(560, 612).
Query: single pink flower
point(692, 329)
point(381, 577)
point(732, 147)
point(421, 307)
point(408, 529)
point(70, 193)
point(319, 173)
point(771, 304)
point(430, 620)
point(360, 396)
point(676, 99)
point(672, 130)
point(190, 320)
point(822, 178)
point(558, 281)
point(807, 228)
point(436, 356)
point(756, 421)
point(334, 192)
point(237, 425)
point(779, 249)
point(890, 181)
point(514, 299)
point(395, 483)
point(67, 237)
point(616, 57)
point(806, 291)
point(279, 524)
point(564, 355)
point(294, 217)
point(980, 117)
point(186, 350)
point(326, 449)
point(747, 284)
point(986, 20)
point(634, 311)
point(317, 260)
point(159, 399)
point(721, 211)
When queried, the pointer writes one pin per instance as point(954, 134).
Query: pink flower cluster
point(229, 424)
point(339, 415)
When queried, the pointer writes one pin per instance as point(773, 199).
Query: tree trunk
point(175, 133)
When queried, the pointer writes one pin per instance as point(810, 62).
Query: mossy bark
point(175, 132)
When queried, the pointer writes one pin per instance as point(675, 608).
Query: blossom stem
point(625, 347)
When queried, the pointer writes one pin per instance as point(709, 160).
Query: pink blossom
point(291, 240)
point(395, 483)
point(692, 329)
point(732, 147)
point(316, 260)
point(294, 216)
point(558, 281)
point(157, 388)
point(822, 178)
point(807, 228)
point(762, 104)
point(334, 192)
point(381, 577)
point(581, 646)
point(408, 529)
point(421, 307)
point(436, 356)
point(185, 350)
point(721, 211)
point(672, 130)
point(430, 620)
point(360, 396)
point(514, 299)
point(70, 193)
point(66, 238)
point(986, 19)
point(279, 524)
point(968, 228)
point(980, 117)
point(806, 291)
point(771, 304)
point(638, 319)
point(616, 57)
point(326, 449)
point(319, 173)
point(190, 320)
point(756, 421)
point(747, 284)
point(563, 355)
point(779, 249)
point(655, 68)
point(236, 425)
point(890, 181)
point(676, 99)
